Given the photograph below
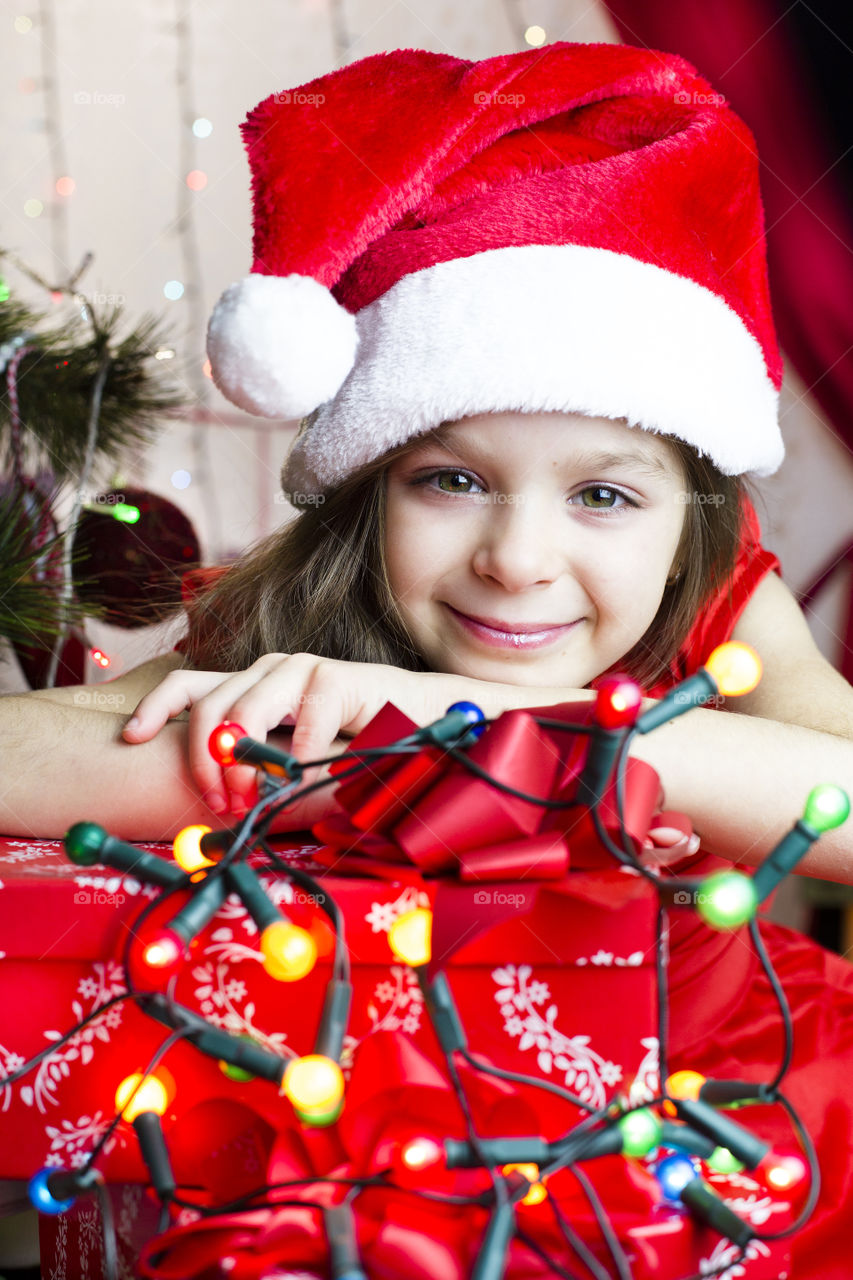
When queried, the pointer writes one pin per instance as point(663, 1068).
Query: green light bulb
point(319, 1119)
point(84, 842)
point(641, 1132)
point(721, 1160)
point(233, 1072)
point(827, 807)
point(125, 512)
point(5, 291)
point(726, 900)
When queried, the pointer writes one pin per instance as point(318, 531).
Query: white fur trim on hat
point(538, 328)
point(280, 345)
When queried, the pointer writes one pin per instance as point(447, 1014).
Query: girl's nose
point(515, 546)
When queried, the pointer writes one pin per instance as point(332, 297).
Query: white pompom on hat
point(280, 345)
point(575, 229)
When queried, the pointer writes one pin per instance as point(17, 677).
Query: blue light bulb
point(472, 713)
point(673, 1174)
point(41, 1196)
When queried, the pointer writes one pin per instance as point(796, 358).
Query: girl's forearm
point(66, 764)
point(742, 780)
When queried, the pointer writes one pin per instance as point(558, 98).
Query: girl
point(527, 415)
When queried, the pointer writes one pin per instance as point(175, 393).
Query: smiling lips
point(512, 635)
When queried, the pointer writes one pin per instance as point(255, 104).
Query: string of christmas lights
point(673, 1134)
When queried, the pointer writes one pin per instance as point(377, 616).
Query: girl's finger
point(180, 690)
point(226, 703)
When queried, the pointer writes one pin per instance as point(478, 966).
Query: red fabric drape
point(744, 49)
point(747, 51)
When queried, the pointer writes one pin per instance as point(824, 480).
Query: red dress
point(723, 1015)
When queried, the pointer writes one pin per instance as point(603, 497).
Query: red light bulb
point(163, 951)
point(223, 740)
point(783, 1173)
point(618, 702)
point(420, 1153)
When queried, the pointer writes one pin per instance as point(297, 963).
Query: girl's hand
point(322, 698)
point(665, 845)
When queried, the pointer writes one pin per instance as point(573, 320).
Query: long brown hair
point(319, 584)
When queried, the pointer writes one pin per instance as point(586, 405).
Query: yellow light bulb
point(410, 936)
point(186, 849)
point(289, 952)
point(735, 668)
point(150, 1096)
point(314, 1083)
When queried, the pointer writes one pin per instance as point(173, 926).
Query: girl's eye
point(449, 481)
point(600, 497)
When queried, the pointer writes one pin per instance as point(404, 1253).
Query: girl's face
point(556, 531)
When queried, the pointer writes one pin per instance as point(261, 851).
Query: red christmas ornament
point(131, 566)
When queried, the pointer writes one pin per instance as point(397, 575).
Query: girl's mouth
point(492, 636)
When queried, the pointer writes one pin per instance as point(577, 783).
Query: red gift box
point(552, 974)
point(537, 994)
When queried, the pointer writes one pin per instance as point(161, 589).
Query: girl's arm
point(742, 774)
point(64, 761)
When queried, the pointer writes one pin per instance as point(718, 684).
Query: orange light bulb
point(683, 1084)
point(538, 1191)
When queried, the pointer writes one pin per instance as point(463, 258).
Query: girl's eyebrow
point(589, 461)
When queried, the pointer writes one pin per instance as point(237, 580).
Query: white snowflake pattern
point(382, 915)
point(219, 996)
point(18, 851)
point(726, 1252)
point(71, 1143)
point(106, 981)
point(607, 958)
point(404, 998)
point(586, 1072)
point(646, 1082)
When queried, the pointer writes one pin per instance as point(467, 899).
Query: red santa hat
point(575, 228)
